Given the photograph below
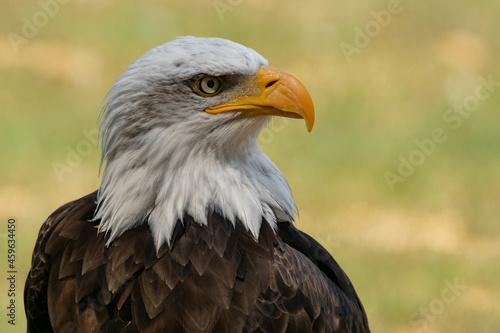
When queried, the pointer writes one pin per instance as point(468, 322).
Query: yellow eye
point(208, 85)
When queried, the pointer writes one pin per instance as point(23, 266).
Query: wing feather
point(215, 277)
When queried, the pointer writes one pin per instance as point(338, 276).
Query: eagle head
point(178, 132)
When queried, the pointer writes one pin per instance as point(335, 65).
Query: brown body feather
point(213, 278)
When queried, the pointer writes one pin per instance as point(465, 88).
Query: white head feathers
point(166, 158)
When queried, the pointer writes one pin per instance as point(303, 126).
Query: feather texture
point(191, 229)
point(164, 157)
point(212, 278)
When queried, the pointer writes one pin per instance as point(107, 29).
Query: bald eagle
point(191, 229)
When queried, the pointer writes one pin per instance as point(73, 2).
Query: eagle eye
point(208, 85)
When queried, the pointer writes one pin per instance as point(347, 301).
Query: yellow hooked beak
point(276, 94)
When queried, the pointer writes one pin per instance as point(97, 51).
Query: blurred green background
point(382, 75)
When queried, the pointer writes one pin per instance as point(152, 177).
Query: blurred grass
point(397, 247)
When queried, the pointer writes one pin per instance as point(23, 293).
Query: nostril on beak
point(271, 83)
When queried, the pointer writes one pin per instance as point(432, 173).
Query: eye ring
point(208, 85)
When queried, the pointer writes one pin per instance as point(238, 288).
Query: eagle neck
point(241, 185)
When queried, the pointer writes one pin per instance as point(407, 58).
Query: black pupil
point(210, 83)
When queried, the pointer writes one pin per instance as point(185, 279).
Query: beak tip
point(309, 117)
point(309, 126)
